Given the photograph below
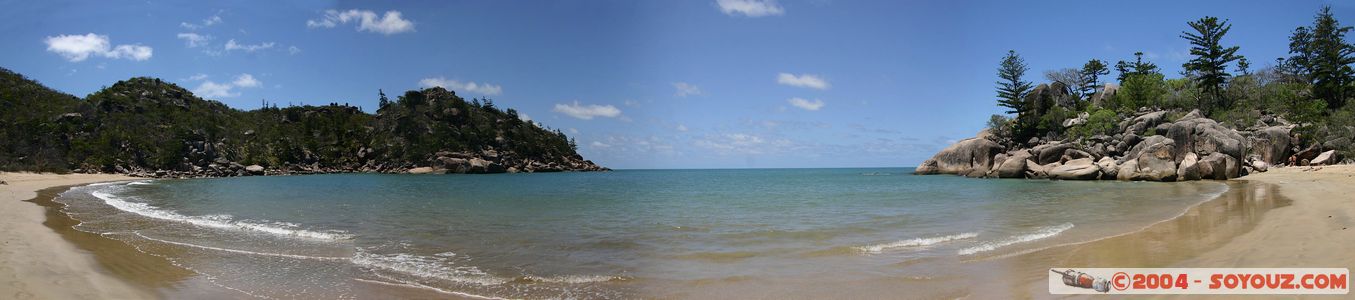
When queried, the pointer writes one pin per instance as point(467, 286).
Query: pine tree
point(1242, 65)
point(1211, 59)
point(1138, 67)
point(1011, 90)
point(1091, 74)
point(384, 101)
point(1321, 56)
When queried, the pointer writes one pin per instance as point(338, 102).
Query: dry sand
point(38, 263)
point(1316, 230)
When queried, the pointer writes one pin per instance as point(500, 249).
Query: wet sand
point(36, 262)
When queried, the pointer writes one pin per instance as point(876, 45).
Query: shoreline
point(37, 262)
point(1287, 217)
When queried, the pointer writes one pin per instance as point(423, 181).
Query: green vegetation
point(1310, 89)
point(149, 124)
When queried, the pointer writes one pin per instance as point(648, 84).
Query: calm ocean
point(621, 234)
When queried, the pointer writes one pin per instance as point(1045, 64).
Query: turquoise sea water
point(621, 234)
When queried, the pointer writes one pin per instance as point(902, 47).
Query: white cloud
point(573, 130)
point(390, 23)
point(525, 117)
point(682, 128)
point(804, 80)
point(210, 89)
point(750, 8)
point(194, 40)
point(597, 144)
point(587, 112)
point(816, 104)
point(456, 85)
point(293, 50)
point(685, 89)
point(196, 77)
point(246, 80)
point(232, 45)
point(77, 48)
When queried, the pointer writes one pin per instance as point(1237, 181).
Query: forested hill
point(148, 127)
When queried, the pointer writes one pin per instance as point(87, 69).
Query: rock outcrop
point(962, 157)
point(1148, 147)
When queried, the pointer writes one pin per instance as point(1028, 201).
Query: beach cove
point(1242, 218)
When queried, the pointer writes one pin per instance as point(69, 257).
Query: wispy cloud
point(293, 50)
point(810, 105)
point(587, 112)
point(390, 23)
point(194, 40)
point(77, 48)
point(455, 85)
point(231, 45)
point(750, 8)
point(804, 80)
point(209, 21)
point(686, 89)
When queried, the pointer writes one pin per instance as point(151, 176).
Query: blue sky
point(639, 84)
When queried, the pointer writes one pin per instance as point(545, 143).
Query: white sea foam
point(573, 278)
point(1042, 233)
point(417, 285)
point(242, 251)
point(214, 221)
point(425, 267)
point(917, 242)
point(141, 182)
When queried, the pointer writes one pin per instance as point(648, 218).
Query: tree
point(383, 102)
point(1211, 59)
point(1091, 75)
point(1071, 82)
point(1138, 67)
point(1322, 57)
point(1242, 65)
point(1011, 90)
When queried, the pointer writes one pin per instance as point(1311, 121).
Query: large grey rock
point(1127, 170)
point(1219, 166)
point(1326, 158)
point(1260, 166)
point(422, 170)
point(1077, 169)
point(1155, 162)
point(1272, 144)
point(1196, 134)
point(254, 169)
point(961, 157)
point(1013, 166)
point(1189, 168)
point(1108, 167)
point(1035, 170)
point(1050, 153)
point(1133, 152)
point(1138, 125)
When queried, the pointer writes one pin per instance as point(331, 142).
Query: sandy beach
point(38, 263)
point(1316, 230)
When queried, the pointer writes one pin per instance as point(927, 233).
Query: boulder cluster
point(1148, 147)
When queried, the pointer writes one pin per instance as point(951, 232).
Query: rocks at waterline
point(1148, 147)
point(443, 162)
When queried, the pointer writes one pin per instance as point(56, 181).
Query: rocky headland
point(1148, 147)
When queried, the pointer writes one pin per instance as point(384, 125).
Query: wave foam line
point(573, 278)
point(917, 242)
point(1042, 233)
point(406, 284)
point(242, 251)
point(218, 221)
point(425, 267)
